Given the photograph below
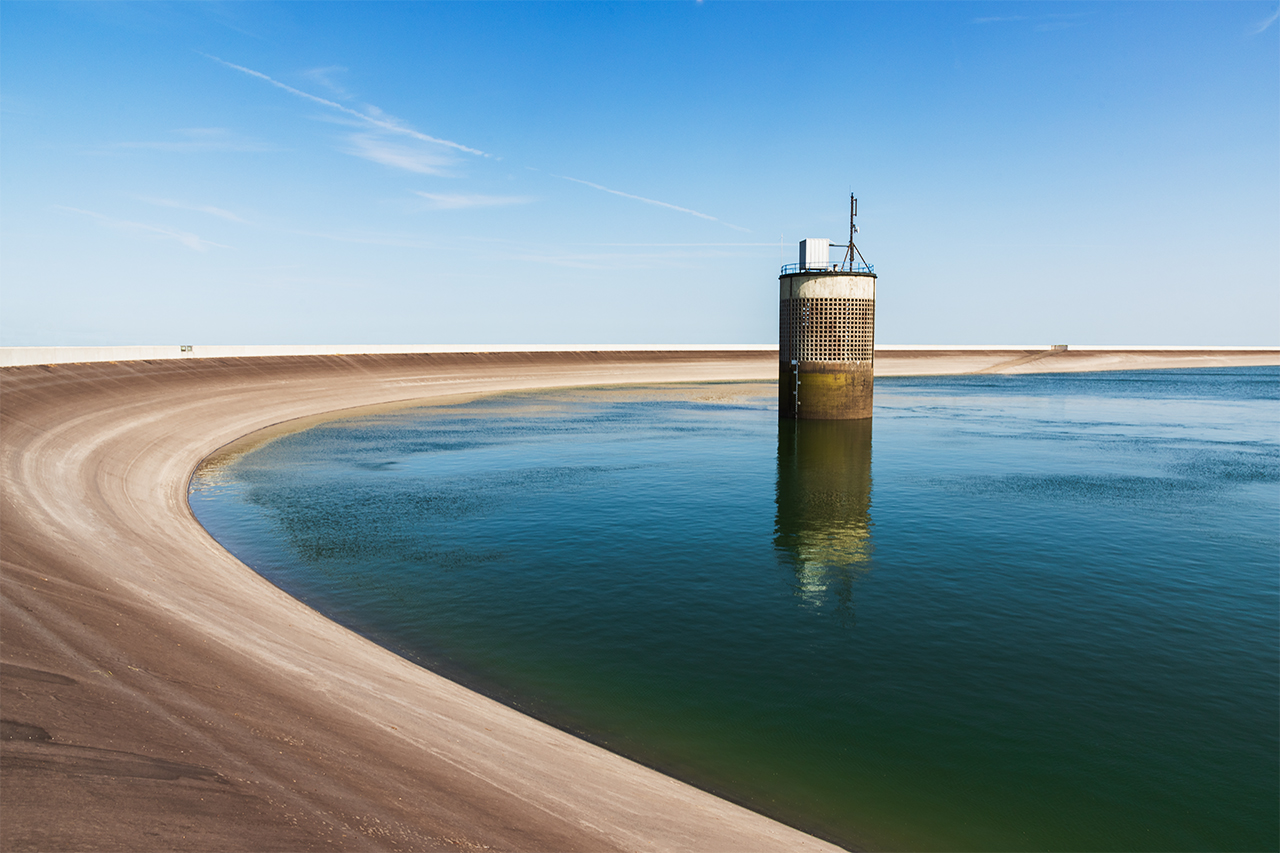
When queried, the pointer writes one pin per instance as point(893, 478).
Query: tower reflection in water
point(823, 523)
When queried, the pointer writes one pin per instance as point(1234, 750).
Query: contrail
point(392, 126)
point(396, 127)
point(191, 241)
point(651, 201)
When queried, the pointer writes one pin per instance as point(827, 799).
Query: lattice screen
point(827, 329)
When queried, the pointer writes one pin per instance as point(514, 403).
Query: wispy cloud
point(683, 256)
point(198, 208)
point(374, 116)
point(324, 76)
point(365, 239)
point(682, 245)
point(1040, 23)
point(191, 241)
point(371, 146)
point(651, 201)
point(377, 149)
point(1050, 26)
point(1262, 26)
point(618, 260)
point(455, 201)
point(597, 261)
point(202, 139)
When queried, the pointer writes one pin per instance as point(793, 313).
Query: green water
point(1011, 613)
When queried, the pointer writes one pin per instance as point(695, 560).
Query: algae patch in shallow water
point(1032, 612)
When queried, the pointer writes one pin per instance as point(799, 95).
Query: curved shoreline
point(161, 695)
point(158, 694)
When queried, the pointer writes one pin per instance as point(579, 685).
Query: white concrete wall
point(827, 287)
point(14, 356)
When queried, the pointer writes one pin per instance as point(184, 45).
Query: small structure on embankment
point(826, 332)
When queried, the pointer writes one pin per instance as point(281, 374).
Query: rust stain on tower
point(826, 332)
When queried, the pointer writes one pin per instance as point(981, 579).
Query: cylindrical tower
point(826, 334)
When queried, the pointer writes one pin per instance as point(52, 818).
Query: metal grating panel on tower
point(826, 329)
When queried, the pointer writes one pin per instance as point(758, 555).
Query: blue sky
point(623, 173)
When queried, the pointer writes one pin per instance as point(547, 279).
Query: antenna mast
point(851, 254)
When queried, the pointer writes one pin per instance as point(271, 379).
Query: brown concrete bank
point(157, 694)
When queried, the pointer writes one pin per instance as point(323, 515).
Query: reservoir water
point(1008, 613)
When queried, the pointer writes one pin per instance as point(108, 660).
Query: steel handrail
point(791, 269)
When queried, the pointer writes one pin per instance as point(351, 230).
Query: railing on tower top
point(858, 266)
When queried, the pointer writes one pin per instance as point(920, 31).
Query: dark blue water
point(1012, 612)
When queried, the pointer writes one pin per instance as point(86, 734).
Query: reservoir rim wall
point(105, 417)
point(40, 396)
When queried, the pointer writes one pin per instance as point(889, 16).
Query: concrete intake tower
point(826, 332)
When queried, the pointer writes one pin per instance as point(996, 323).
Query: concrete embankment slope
point(159, 695)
